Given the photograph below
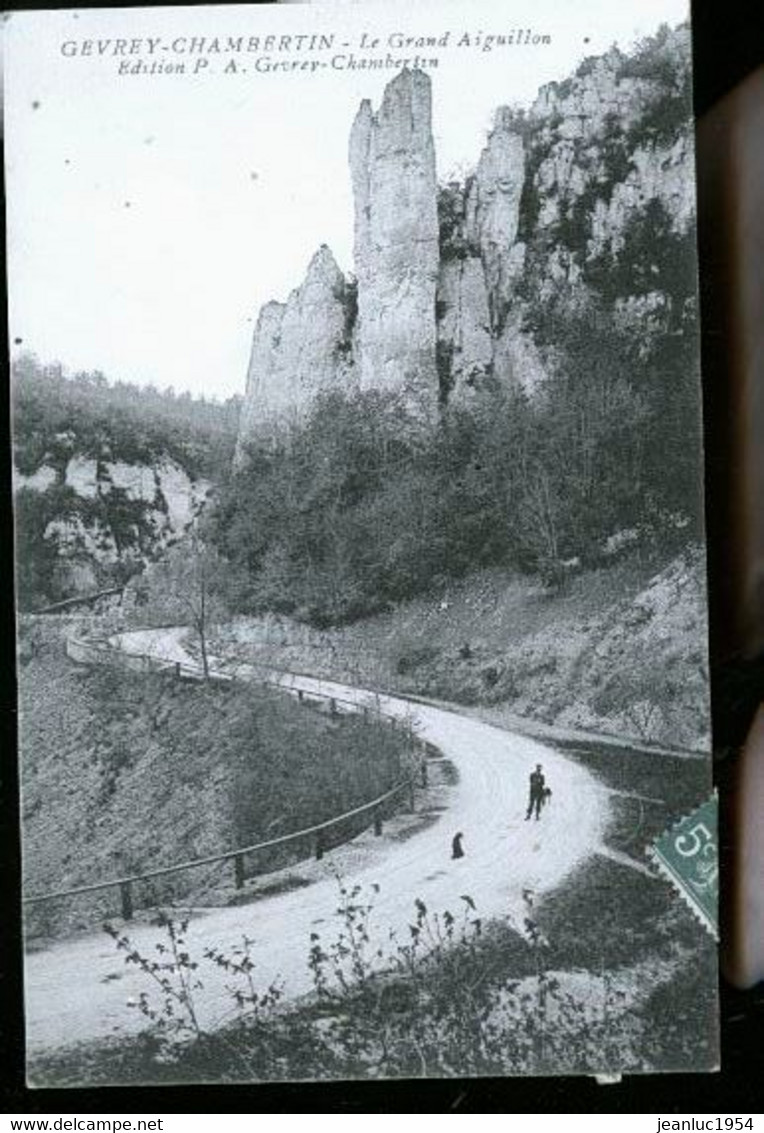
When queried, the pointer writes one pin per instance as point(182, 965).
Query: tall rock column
point(299, 349)
point(493, 210)
point(392, 163)
point(464, 329)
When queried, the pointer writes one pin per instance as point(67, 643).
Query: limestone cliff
point(460, 287)
point(377, 331)
point(592, 184)
point(493, 208)
point(614, 136)
point(392, 164)
point(96, 521)
point(465, 346)
point(481, 262)
point(298, 349)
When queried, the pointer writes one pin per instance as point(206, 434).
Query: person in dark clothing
point(456, 846)
point(536, 795)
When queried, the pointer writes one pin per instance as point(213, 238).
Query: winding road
point(77, 989)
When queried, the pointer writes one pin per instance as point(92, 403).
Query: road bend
point(77, 989)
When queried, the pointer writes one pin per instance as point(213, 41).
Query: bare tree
point(187, 586)
point(539, 516)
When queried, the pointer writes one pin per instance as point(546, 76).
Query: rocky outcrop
point(378, 331)
point(392, 164)
point(43, 477)
point(461, 284)
point(517, 362)
point(299, 348)
point(464, 327)
point(608, 148)
point(580, 107)
point(104, 519)
point(493, 209)
point(659, 173)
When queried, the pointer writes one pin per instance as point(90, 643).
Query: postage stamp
point(687, 854)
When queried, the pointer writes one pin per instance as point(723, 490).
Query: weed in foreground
point(449, 996)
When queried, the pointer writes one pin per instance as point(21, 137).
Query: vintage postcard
point(364, 725)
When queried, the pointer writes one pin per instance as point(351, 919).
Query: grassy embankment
point(123, 773)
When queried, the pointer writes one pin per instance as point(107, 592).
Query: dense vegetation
point(56, 413)
point(358, 508)
point(59, 418)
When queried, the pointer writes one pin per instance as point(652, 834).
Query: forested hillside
point(106, 475)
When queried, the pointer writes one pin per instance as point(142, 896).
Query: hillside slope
point(619, 650)
point(123, 773)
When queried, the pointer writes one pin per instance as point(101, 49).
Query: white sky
point(232, 181)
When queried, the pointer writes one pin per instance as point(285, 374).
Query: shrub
point(414, 657)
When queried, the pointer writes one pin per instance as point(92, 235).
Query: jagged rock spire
point(298, 349)
point(392, 164)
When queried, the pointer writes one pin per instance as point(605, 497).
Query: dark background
point(728, 45)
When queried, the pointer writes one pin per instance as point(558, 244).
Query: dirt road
point(77, 990)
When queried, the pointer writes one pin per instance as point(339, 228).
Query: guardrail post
point(410, 793)
point(332, 706)
point(377, 821)
point(423, 772)
point(300, 695)
point(238, 871)
point(319, 846)
point(177, 668)
point(126, 895)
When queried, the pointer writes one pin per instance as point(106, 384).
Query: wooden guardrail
point(85, 651)
point(237, 856)
point(79, 600)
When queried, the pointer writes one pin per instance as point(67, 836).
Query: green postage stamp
point(687, 854)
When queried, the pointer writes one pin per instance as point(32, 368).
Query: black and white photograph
point(364, 726)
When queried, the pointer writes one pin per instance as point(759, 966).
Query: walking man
point(536, 795)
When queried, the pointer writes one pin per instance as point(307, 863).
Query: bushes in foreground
point(453, 996)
